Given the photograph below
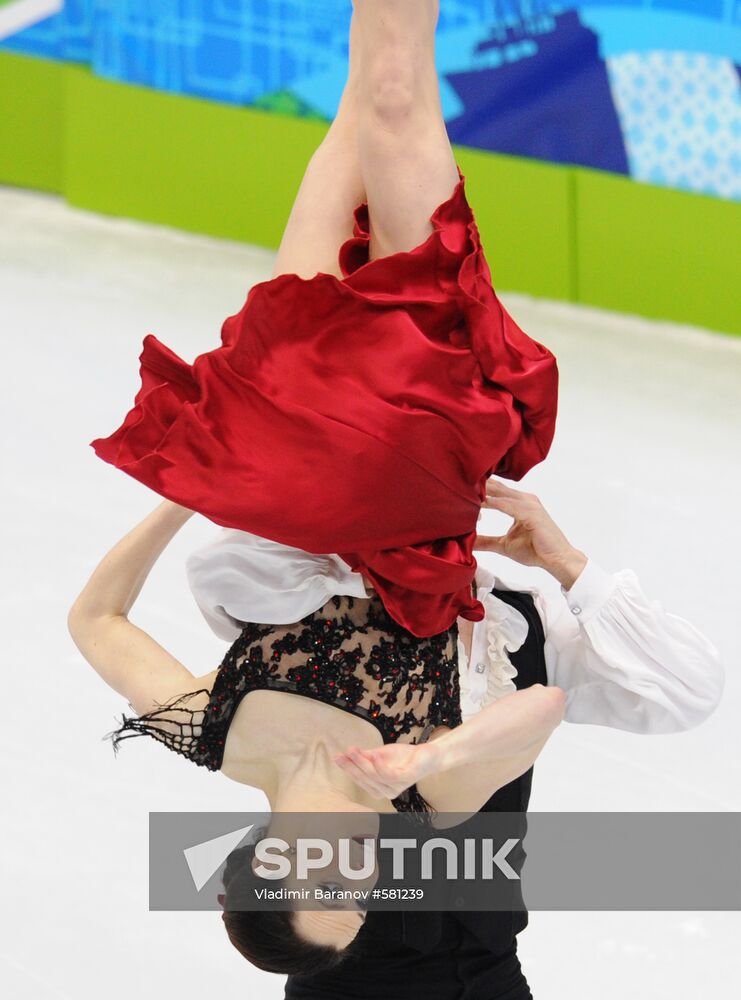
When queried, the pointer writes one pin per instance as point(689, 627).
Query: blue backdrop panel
point(647, 88)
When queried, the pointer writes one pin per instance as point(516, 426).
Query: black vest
point(387, 949)
point(495, 930)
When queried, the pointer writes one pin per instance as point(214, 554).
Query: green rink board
point(234, 172)
point(31, 122)
point(658, 252)
point(523, 211)
point(200, 166)
point(547, 230)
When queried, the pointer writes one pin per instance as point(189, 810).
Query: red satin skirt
point(359, 416)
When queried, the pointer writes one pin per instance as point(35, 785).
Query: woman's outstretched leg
point(322, 215)
point(406, 159)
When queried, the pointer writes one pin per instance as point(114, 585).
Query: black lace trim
point(359, 660)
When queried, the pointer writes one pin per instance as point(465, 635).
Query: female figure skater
point(365, 681)
point(375, 377)
point(379, 370)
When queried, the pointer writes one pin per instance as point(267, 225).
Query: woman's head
point(283, 941)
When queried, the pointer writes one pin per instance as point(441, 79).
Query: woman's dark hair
point(267, 938)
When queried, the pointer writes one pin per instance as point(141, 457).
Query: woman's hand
point(501, 735)
point(534, 539)
point(386, 771)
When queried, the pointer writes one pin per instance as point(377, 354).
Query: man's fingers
point(489, 543)
point(498, 487)
point(505, 504)
point(497, 490)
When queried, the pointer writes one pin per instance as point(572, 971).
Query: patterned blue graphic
point(681, 119)
point(646, 88)
point(552, 102)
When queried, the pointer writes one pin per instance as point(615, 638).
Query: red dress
point(359, 416)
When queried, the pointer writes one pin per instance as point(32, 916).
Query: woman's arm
point(508, 727)
point(461, 769)
point(128, 659)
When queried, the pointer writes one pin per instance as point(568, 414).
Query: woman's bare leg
point(322, 215)
point(406, 159)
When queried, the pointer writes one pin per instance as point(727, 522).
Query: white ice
point(644, 473)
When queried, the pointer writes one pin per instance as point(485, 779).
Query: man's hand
point(534, 539)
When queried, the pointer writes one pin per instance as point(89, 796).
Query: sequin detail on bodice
point(350, 654)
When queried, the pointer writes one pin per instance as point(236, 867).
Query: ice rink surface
point(644, 473)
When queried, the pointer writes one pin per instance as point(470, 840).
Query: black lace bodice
point(350, 654)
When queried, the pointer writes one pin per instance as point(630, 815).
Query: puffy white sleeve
point(239, 577)
point(623, 660)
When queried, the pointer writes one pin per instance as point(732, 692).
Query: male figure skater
point(623, 661)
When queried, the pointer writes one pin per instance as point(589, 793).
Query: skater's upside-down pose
point(378, 369)
point(346, 428)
